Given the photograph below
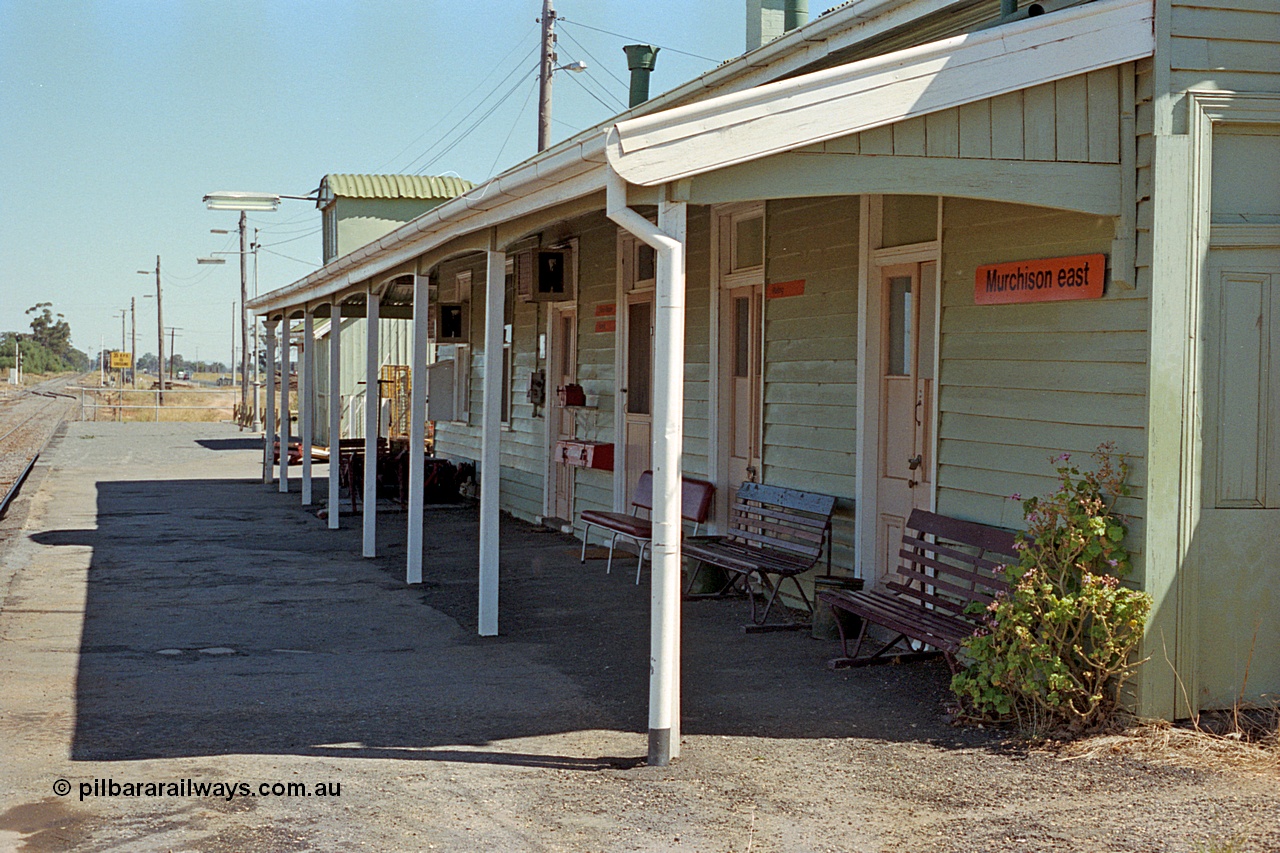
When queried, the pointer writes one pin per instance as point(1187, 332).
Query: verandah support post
point(306, 400)
point(417, 426)
point(269, 425)
point(285, 370)
point(491, 435)
point(372, 412)
point(335, 411)
point(667, 240)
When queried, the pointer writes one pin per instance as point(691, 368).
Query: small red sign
point(607, 309)
point(606, 325)
point(1043, 280)
point(783, 289)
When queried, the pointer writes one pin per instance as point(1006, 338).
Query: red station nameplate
point(1043, 280)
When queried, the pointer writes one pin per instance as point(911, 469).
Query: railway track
point(28, 419)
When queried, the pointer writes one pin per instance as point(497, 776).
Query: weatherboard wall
point(1020, 384)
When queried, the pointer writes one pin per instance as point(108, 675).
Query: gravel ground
point(165, 617)
point(27, 420)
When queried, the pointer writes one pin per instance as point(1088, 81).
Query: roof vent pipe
point(640, 61)
point(1008, 7)
point(795, 13)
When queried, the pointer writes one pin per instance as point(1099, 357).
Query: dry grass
point(1244, 739)
point(179, 405)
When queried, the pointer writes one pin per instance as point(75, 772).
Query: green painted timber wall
point(1019, 384)
point(810, 355)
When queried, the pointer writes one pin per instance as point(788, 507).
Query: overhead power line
point(639, 40)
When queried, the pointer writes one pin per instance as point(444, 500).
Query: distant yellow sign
point(121, 360)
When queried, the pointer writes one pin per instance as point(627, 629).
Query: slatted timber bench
point(695, 505)
point(945, 564)
point(772, 533)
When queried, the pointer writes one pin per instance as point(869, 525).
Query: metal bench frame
point(945, 565)
point(695, 506)
point(773, 531)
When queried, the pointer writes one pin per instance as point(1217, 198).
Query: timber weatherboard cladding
point(1225, 44)
point(810, 355)
point(1073, 120)
point(1022, 383)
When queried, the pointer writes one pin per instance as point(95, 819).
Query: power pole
point(244, 319)
point(159, 333)
point(545, 69)
point(133, 339)
point(173, 333)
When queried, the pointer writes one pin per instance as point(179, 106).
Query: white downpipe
point(417, 426)
point(269, 425)
point(306, 402)
point(490, 441)
point(335, 412)
point(285, 365)
point(372, 401)
point(668, 439)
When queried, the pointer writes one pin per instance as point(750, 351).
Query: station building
point(903, 254)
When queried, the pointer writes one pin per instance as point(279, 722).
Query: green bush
point(1053, 652)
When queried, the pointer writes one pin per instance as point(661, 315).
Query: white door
point(638, 391)
point(564, 371)
point(742, 335)
point(1234, 544)
point(905, 374)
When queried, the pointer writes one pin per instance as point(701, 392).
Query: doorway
point(904, 378)
point(637, 392)
point(563, 370)
point(1234, 541)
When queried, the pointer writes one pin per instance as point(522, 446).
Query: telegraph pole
point(159, 333)
point(133, 339)
point(545, 69)
point(244, 321)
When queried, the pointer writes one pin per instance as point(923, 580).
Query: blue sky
point(116, 117)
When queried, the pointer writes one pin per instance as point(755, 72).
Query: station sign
point(121, 360)
point(1042, 280)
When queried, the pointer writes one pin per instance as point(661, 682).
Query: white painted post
point(306, 400)
point(668, 444)
point(269, 425)
point(335, 411)
point(285, 364)
point(490, 438)
point(372, 406)
point(417, 427)
point(668, 439)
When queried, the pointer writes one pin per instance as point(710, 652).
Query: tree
point(54, 334)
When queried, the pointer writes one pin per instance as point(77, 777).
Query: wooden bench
point(772, 532)
point(945, 565)
point(695, 505)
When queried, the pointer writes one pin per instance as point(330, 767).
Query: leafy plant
point(1054, 651)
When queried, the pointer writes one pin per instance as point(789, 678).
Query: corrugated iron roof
point(395, 186)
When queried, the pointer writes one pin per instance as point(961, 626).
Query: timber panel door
point(564, 371)
point(744, 327)
point(638, 391)
point(905, 374)
point(1235, 546)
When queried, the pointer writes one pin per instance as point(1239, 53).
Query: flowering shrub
point(1055, 650)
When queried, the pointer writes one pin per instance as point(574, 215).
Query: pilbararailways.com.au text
point(196, 788)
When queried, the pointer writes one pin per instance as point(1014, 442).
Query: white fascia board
point(836, 102)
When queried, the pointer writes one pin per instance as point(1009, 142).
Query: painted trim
point(1095, 187)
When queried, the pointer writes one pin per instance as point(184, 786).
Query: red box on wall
point(585, 454)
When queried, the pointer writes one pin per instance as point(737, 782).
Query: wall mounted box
point(585, 454)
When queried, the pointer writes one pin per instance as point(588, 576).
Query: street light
point(243, 202)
